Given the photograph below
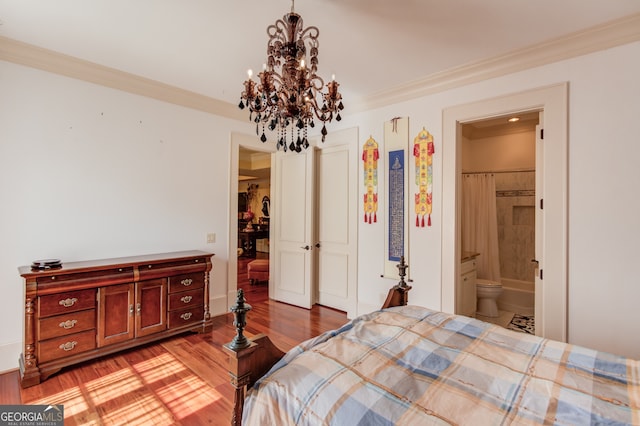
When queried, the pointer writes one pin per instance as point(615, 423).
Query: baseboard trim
point(9, 354)
point(218, 306)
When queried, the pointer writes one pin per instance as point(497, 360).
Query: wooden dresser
point(85, 310)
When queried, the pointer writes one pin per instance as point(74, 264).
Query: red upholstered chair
point(258, 270)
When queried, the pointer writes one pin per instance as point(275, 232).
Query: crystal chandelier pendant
point(289, 93)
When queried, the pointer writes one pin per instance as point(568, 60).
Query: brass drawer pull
point(186, 299)
point(67, 303)
point(69, 346)
point(186, 282)
point(186, 316)
point(68, 324)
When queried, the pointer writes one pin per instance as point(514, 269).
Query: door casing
point(553, 101)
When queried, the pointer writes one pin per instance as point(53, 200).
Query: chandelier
point(289, 96)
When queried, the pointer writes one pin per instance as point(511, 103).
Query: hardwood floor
point(178, 381)
point(253, 293)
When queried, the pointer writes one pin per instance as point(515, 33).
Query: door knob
point(306, 247)
point(317, 245)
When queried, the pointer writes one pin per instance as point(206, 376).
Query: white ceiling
point(206, 46)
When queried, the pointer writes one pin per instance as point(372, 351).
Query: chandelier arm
point(277, 31)
point(317, 83)
point(306, 33)
point(277, 27)
point(328, 115)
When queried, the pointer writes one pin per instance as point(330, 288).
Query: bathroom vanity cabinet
point(466, 296)
point(84, 310)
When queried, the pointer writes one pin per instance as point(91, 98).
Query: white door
point(292, 216)
point(336, 243)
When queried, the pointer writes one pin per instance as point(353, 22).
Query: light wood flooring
point(178, 381)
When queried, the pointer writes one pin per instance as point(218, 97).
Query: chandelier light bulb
point(250, 73)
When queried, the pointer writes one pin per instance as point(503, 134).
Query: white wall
point(604, 102)
point(516, 151)
point(88, 172)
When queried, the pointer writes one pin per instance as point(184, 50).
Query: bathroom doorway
point(498, 214)
point(551, 187)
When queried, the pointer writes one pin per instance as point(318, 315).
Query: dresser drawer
point(186, 299)
point(186, 316)
point(71, 301)
point(101, 277)
point(61, 347)
point(186, 282)
point(66, 324)
point(468, 266)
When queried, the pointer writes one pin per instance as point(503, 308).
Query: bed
point(411, 365)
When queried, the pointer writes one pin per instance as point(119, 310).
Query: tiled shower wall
point(515, 206)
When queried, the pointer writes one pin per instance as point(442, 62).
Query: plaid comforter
point(414, 366)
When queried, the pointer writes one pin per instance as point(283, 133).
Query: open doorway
point(253, 223)
point(552, 184)
point(498, 220)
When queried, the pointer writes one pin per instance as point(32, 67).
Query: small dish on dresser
point(46, 264)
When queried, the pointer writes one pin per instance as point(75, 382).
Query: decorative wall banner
point(396, 145)
point(370, 156)
point(396, 205)
point(423, 152)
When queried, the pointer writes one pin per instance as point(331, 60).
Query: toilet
point(488, 293)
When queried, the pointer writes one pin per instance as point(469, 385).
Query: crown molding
point(69, 66)
point(611, 34)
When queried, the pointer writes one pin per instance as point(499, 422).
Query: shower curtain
point(480, 223)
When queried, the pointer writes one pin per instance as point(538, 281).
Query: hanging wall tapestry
point(396, 143)
point(423, 153)
point(370, 157)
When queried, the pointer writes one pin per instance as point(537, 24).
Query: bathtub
point(517, 296)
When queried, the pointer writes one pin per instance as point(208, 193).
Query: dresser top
point(88, 265)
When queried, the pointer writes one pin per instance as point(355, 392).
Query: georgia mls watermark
point(31, 415)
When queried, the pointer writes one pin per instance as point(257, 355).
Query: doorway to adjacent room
point(253, 223)
point(552, 162)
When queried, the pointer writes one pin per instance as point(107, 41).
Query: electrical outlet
point(211, 238)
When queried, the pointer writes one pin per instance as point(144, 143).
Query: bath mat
point(522, 323)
